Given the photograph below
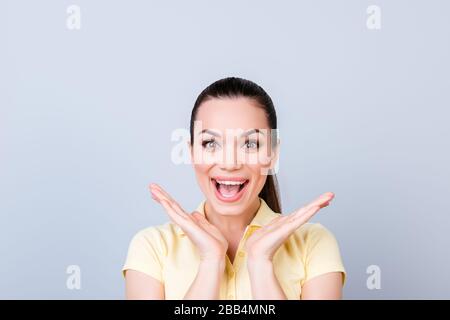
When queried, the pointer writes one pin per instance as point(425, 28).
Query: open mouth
point(229, 190)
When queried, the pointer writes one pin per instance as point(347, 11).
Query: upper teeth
point(235, 183)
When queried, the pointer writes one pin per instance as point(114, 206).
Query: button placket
point(234, 267)
point(231, 283)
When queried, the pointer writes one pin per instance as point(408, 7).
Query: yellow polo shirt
point(168, 255)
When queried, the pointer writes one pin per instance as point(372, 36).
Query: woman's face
point(232, 153)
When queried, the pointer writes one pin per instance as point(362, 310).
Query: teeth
point(232, 183)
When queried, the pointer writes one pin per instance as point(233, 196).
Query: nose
point(230, 160)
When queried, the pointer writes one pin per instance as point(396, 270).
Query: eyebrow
point(247, 133)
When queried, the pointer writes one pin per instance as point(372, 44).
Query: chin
point(228, 210)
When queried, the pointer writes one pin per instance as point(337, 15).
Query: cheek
point(257, 160)
point(202, 174)
point(201, 170)
point(258, 164)
point(265, 155)
point(257, 175)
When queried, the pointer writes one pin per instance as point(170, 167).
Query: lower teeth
point(225, 195)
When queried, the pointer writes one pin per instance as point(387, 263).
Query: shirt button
point(231, 273)
point(241, 254)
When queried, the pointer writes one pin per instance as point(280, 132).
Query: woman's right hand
point(210, 242)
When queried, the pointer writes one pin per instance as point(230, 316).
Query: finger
point(321, 201)
point(175, 206)
point(179, 209)
point(201, 221)
point(296, 221)
point(293, 222)
point(162, 193)
point(273, 224)
point(150, 188)
point(274, 221)
point(180, 220)
point(156, 193)
point(154, 186)
point(297, 218)
point(154, 197)
point(285, 226)
point(207, 226)
point(175, 217)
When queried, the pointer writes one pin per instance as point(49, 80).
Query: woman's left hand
point(264, 242)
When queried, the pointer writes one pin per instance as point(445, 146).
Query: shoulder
point(319, 250)
point(313, 231)
point(315, 239)
point(148, 250)
point(157, 236)
point(160, 230)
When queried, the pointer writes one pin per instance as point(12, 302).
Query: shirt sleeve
point(322, 253)
point(145, 254)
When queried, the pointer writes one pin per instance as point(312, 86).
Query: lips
point(229, 189)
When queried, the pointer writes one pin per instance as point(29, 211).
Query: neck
point(231, 224)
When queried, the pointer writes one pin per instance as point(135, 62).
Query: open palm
point(205, 236)
point(264, 242)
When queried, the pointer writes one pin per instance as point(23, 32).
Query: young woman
point(237, 244)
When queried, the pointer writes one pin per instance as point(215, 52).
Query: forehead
point(231, 113)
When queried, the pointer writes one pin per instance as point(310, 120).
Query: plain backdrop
point(86, 118)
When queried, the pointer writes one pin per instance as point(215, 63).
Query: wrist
point(213, 263)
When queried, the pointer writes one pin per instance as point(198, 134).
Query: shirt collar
point(263, 216)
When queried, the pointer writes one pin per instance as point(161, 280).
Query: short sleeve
point(322, 253)
point(145, 254)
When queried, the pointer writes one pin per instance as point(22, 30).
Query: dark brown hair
point(233, 87)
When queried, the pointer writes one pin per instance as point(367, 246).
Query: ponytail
point(270, 193)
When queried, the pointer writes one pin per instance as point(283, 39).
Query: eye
point(252, 144)
point(209, 144)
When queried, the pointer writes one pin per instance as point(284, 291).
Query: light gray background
point(86, 119)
